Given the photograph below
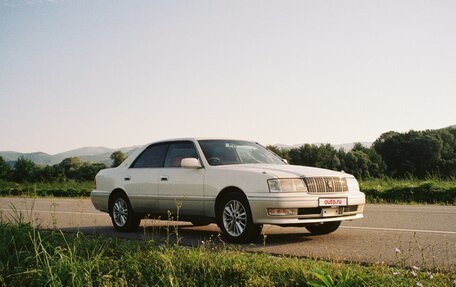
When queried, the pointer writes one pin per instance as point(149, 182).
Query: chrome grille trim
point(326, 184)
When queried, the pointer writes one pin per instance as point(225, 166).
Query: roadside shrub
point(57, 189)
point(407, 191)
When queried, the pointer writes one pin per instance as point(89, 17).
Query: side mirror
point(285, 161)
point(190, 162)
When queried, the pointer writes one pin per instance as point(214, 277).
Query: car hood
point(285, 171)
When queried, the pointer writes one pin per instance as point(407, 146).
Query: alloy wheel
point(120, 212)
point(234, 218)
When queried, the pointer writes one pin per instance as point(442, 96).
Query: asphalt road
point(411, 235)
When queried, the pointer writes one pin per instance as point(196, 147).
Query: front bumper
point(309, 210)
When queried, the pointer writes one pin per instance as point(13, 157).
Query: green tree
point(117, 158)
point(375, 165)
point(5, 170)
point(281, 152)
point(51, 173)
point(416, 153)
point(70, 166)
point(357, 162)
point(88, 170)
point(324, 156)
point(447, 164)
point(24, 170)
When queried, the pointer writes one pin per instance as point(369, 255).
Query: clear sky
point(122, 73)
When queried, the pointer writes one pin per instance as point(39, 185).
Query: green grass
point(429, 191)
point(29, 257)
point(58, 189)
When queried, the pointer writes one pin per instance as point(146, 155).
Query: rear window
point(153, 156)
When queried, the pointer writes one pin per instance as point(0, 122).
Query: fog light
point(282, 211)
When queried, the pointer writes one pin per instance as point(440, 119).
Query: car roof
point(197, 139)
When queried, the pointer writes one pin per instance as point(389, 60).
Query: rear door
point(181, 189)
point(141, 179)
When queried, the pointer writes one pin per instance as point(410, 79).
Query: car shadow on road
point(185, 234)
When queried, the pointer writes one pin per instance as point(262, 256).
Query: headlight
point(287, 185)
point(352, 184)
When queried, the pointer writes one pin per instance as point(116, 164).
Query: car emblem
point(329, 184)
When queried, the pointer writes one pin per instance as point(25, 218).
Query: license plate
point(332, 201)
point(327, 212)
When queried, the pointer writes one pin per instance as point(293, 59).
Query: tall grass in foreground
point(29, 257)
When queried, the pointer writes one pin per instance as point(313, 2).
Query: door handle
point(127, 178)
point(164, 178)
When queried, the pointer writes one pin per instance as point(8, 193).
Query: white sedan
point(240, 185)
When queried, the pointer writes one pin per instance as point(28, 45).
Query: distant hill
point(37, 157)
point(345, 146)
point(93, 154)
point(84, 151)
point(101, 154)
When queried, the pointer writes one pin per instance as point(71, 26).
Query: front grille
point(326, 184)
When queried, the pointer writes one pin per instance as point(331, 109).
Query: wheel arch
point(224, 192)
point(251, 231)
point(111, 197)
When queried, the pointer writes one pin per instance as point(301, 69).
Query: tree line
point(417, 154)
point(72, 168)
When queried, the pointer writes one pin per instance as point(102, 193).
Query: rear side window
point(178, 151)
point(153, 156)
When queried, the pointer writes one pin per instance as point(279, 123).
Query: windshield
point(222, 152)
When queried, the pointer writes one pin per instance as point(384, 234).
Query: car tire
point(234, 218)
point(122, 216)
point(323, 228)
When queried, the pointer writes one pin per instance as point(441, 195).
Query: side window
point(179, 151)
point(153, 156)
